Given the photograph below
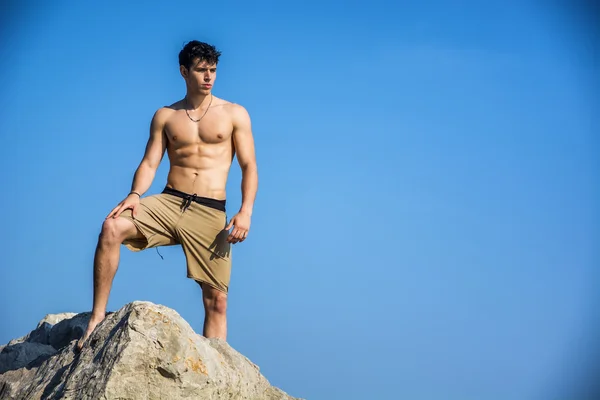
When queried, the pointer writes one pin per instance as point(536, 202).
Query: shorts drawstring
point(187, 201)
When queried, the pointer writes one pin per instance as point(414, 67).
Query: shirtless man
point(201, 134)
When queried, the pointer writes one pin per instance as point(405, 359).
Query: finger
point(231, 237)
point(119, 211)
point(236, 234)
point(134, 210)
point(111, 213)
point(239, 236)
point(228, 227)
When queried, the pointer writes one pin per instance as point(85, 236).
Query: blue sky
point(427, 205)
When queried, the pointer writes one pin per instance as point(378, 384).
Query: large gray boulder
point(143, 351)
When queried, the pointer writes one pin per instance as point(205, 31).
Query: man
point(201, 134)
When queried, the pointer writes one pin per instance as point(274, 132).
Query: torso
point(200, 153)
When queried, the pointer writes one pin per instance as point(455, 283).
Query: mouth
point(206, 86)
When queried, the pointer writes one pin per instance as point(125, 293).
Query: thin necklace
point(188, 114)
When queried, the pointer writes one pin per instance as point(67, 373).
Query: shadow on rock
point(52, 334)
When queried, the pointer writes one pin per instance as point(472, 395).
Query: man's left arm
point(246, 156)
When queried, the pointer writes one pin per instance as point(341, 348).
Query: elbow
point(249, 166)
point(148, 165)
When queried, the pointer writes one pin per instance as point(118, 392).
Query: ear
point(184, 71)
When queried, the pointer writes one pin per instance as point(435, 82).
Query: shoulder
point(238, 113)
point(162, 115)
point(234, 110)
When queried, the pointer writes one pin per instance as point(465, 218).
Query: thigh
point(204, 241)
point(126, 229)
point(120, 229)
point(155, 222)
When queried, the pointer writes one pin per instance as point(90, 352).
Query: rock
point(142, 351)
point(20, 354)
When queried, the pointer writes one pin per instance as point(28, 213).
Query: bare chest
point(215, 127)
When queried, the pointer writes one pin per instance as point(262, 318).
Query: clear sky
point(428, 200)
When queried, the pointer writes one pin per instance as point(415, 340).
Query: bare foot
point(94, 321)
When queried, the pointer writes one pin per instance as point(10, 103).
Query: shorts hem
point(201, 281)
point(130, 243)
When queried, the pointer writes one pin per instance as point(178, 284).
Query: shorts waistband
point(188, 198)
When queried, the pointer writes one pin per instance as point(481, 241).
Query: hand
point(241, 224)
point(131, 201)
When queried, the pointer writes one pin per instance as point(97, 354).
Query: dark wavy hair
point(198, 50)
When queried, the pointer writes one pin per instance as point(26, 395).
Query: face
point(200, 77)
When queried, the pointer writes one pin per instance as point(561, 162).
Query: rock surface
point(142, 351)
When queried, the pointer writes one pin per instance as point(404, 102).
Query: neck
point(194, 101)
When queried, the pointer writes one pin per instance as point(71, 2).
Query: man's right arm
point(155, 150)
point(144, 174)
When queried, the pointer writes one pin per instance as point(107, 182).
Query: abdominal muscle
point(204, 176)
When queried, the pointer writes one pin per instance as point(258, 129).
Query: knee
point(215, 302)
point(110, 232)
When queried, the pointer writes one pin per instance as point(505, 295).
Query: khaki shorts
point(198, 225)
